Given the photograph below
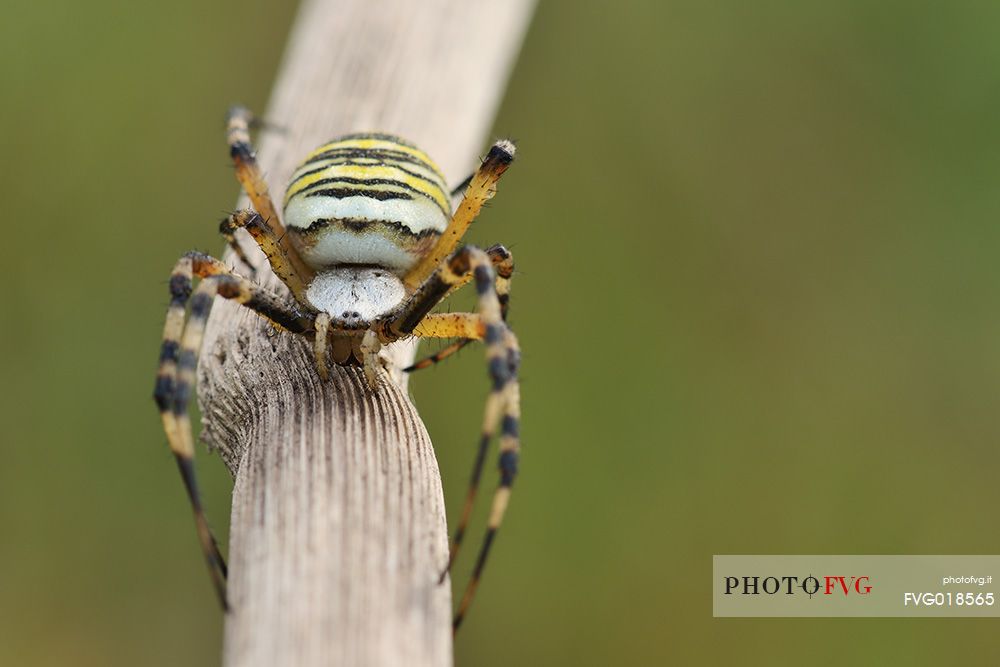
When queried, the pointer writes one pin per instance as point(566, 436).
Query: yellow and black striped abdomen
point(370, 199)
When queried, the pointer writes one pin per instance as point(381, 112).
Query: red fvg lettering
point(855, 583)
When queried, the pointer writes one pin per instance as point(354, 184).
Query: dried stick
point(338, 528)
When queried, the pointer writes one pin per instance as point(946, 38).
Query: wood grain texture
point(338, 527)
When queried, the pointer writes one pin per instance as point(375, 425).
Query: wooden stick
point(338, 530)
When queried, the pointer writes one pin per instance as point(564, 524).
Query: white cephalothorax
point(356, 295)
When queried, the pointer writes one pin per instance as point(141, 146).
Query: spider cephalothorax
point(367, 249)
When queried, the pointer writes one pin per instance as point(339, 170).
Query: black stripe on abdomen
point(369, 181)
point(344, 193)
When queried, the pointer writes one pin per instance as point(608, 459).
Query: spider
point(369, 246)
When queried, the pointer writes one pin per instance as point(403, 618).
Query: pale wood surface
point(338, 527)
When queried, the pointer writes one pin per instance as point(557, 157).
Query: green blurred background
point(758, 297)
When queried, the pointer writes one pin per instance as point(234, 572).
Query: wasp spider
point(369, 245)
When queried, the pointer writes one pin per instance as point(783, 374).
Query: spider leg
point(283, 257)
point(438, 356)
point(279, 256)
point(503, 266)
point(510, 449)
point(460, 188)
point(320, 343)
point(175, 376)
point(228, 227)
point(238, 122)
point(503, 403)
point(370, 346)
point(481, 189)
